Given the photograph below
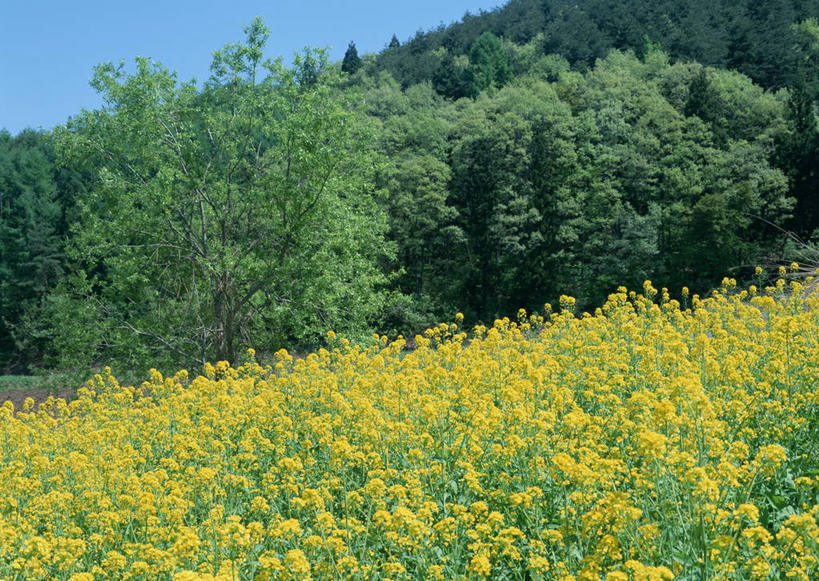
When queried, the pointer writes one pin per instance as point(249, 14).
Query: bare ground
point(39, 395)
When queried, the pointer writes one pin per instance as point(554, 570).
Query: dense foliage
point(771, 41)
point(36, 205)
point(646, 442)
point(241, 213)
point(580, 184)
point(546, 147)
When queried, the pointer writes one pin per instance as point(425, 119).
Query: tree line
point(183, 223)
point(769, 41)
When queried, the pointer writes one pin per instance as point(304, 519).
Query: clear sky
point(48, 48)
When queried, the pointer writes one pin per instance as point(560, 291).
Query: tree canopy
point(237, 214)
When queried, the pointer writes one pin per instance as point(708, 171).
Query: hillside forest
point(545, 148)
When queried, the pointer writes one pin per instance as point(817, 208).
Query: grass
point(51, 381)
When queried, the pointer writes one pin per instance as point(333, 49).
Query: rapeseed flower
point(647, 440)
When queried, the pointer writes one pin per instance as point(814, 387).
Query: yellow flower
point(771, 457)
point(558, 454)
point(480, 566)
point(539, 564)
point(748, 511)
point(296, 566)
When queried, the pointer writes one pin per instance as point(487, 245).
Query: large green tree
point(239, 214)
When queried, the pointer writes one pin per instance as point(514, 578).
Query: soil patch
point(39, 395)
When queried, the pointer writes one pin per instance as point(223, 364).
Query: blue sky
point(48, 48)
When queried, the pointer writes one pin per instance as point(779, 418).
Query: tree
point(491, 190)
point(806, 84)
point(420, 220)
point(488, 65)
point(798, 155)
point(351, 62)
point(239, 214)
point(394, 43)
point(30, 214)
point(448, 78)
point(704, 103)
point(575, 35)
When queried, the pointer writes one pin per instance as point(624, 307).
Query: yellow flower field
point(647, 441)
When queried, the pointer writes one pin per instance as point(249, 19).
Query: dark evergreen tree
point(807, 56)
point(576, 35)
point(448, 79)
point(799, 157)
point(31, 225)
point(704, 102)
point(394, 43)
point(351, 62)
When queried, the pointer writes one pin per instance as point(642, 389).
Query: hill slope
point(755, 38)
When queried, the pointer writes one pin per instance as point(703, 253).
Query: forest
point(545, 148)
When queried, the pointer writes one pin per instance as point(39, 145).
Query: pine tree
point(447, 80)
point(30, 247)
point(351, 62)
point(704, 102)
point(799, 158)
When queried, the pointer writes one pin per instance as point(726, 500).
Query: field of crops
point(647, 441)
